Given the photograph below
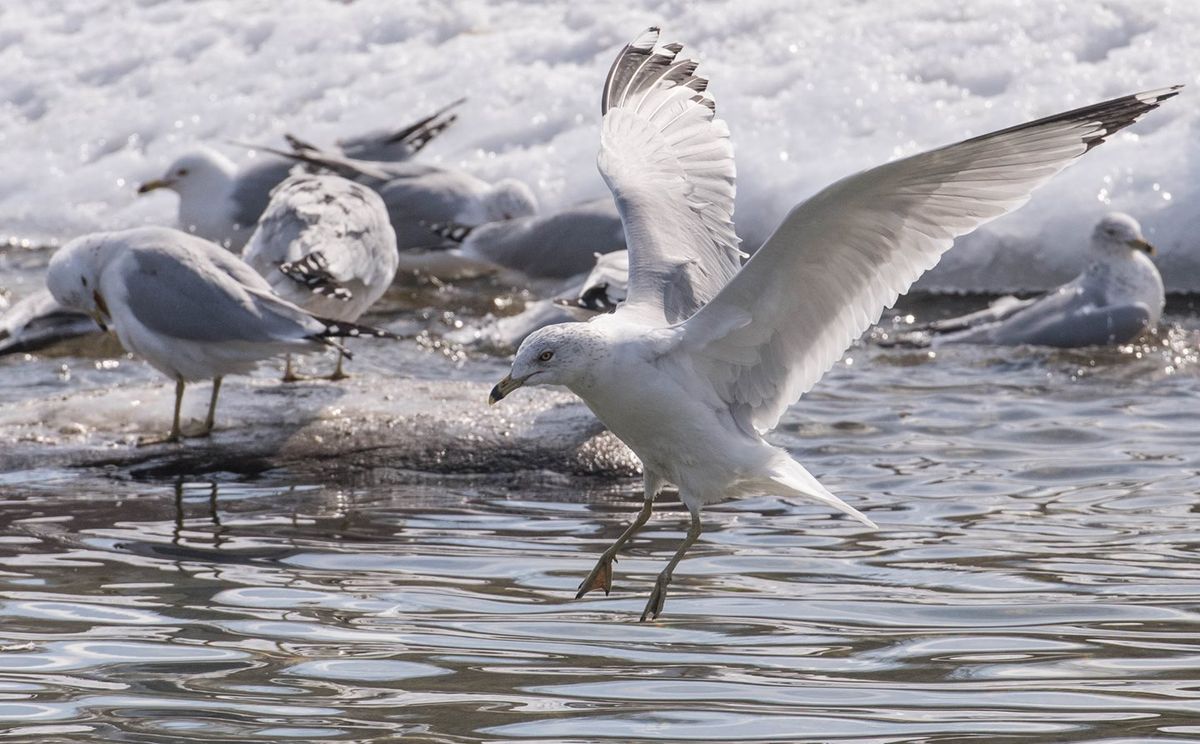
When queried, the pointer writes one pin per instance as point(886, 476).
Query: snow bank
point(98, 96)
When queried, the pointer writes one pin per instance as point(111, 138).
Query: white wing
point(669, 164)
point(847, 253)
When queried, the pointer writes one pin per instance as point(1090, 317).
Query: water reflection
point(441, 610)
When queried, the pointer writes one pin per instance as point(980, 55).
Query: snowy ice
point(98, 96)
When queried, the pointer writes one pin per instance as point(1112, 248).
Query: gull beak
point(101, 314)
point(1141, 245)
point(158, 183)
point(504, 387)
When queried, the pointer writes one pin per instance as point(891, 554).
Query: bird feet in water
point(654, 606)
point(600, 577)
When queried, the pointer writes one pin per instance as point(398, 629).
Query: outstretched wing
point(669, 164)
point(847, 253)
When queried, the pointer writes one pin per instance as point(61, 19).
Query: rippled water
point(1035, 578)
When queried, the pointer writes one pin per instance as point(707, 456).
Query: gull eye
point(546, 356)
point(181, 172)
point(84, 280)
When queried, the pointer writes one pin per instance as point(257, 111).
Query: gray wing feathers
point(213, 298)
point(252, 188)
point(557, 246)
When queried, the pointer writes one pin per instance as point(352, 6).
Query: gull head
point(508, 199)
point(562, 354)
point(1117, 235)
point(73, 277)
point(196, 173)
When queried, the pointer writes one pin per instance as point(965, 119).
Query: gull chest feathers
point(705, 353)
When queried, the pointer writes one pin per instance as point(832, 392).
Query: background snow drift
point(98, 96)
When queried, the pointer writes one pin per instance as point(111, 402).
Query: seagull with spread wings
point(704, 357)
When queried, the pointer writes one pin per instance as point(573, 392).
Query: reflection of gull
point(324, 244)
point(692, 393)
point(417, 194)
point(218, 200)
point(190, 308)
point(599, 292)
point(555, 246)
point(391, 145)
point(37, 321)
point(1117, 297)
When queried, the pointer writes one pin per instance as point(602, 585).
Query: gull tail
point(335, 329)
point(789, 478)
point(453, 231)
point(312, 270)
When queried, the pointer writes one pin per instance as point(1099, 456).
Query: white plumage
point(325, 244)
point(1117, 297)
point(692, 392)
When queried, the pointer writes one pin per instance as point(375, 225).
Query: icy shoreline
point(338, 431)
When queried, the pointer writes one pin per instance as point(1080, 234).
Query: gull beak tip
point(156, 184)
point(495, 396)
point(1142, 245)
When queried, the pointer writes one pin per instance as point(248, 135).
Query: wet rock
point(368, 424)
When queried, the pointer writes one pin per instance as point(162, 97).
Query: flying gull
point(692, 386)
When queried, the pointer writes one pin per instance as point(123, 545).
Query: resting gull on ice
point(218, 200)
point(692, 391)
point(554, 246)
point(1116, 298)
point(37, 321)
point(188, 307)
point(325, 245)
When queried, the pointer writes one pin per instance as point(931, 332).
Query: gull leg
point(601, 575)
point(338, 374)
point(289, 374)
point(210, 420)
point(657, 597)
point(175, 434)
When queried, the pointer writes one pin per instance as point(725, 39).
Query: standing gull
point(187, 306)
point(325, 245)
point(692, 391)
point(1116, 298)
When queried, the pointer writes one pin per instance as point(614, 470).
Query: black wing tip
point(312, 270)
point(1107, 117)
point(342, 329)
point(645, 63)
point(454, 232)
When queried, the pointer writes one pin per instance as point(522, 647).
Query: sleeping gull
point(554, 246)
point(325, 245)
point(1116, 298)
point(218, 200)
point(188, 307)
point(691, 391)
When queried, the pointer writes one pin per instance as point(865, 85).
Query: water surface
point(1034, 579)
